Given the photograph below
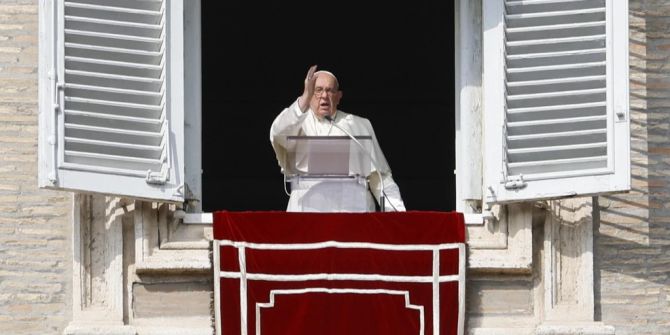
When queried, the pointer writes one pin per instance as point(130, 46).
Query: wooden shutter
point(555, 98)
point(113, 107)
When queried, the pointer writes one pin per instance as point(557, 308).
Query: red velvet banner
point(339, 273)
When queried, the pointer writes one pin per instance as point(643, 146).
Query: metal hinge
point(515, 182)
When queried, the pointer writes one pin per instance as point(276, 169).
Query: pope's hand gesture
point(308, 92)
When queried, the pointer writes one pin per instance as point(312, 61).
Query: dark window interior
point(395, 65)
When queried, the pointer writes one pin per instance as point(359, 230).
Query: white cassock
point(326, 196)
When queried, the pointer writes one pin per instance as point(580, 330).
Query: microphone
point(382, 196)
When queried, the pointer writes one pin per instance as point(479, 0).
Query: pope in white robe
point(308, 116)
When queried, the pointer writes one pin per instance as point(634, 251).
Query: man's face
point(326, 95)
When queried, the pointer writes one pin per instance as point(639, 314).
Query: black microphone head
point(328, 117)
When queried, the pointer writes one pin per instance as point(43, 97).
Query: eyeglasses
point(329, 91)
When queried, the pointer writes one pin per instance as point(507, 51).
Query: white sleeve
point(287, 123)
point(393, 200)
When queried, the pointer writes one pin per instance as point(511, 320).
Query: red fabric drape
point(387, 285)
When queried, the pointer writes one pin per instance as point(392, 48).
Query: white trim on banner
point(273, 293)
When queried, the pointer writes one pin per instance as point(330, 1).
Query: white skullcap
point(337, 82)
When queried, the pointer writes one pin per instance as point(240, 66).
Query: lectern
point(329, 173)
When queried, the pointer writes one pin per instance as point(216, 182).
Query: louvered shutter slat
point(113, 107)
point(103, 119)
point(555, 31)
point(99, 38)
point(116, 68)
point(550, 90)
point(558, 165)
point(112, 27)
point(132, 96)
point(113, 134)
point(113, 41)
point(557, 152)
point(555, 85)
point(555, 71)
point(133, 165)
point(546, 96)
point(111, 10)
point(557, 138)
point(111, 80)
point(130, 151)
point(154, 5)
point(556, 112)
point(153, 152)
point(113, 54)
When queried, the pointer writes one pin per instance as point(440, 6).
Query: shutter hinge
point(491, 198)
point(515, 182)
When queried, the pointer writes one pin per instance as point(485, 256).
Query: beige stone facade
point(35, 225)
point(99, 265)
point(633, 241)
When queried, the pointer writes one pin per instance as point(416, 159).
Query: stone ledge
point(174, 326)
point(174, 331)
point(590, 328)
point(130, 330)
point(77, 328)
point(501, 331)
point(174, 266)
point(175, 261)
point(186, 245)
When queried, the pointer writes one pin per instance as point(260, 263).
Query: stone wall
point(632, 246)
point(35, 242)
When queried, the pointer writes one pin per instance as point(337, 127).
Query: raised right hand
point(308, 92)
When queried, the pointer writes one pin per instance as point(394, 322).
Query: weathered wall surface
point(632, 244)
point(35, 247)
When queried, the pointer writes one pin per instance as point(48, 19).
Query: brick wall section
point(633, 245)
point(35, 247)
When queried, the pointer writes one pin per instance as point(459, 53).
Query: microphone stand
point(382, 195)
